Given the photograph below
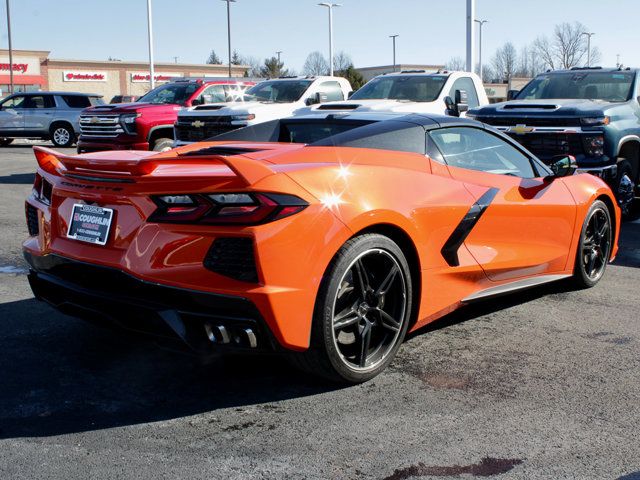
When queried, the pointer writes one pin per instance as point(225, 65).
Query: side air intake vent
point(32, 220)
point(233, 257)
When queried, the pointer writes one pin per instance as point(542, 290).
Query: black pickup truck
point(592, 114)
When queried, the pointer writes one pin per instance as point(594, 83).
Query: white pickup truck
point(413, 91)
point(268, 100)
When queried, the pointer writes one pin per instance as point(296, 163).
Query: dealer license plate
point(89, 223)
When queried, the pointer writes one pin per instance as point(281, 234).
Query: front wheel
point(163, 144)
point(624, 188)
point(362, 311)
point(62, 135)
point(594, 248)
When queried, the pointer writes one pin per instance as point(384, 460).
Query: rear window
point(310, 132)
point(79, 101)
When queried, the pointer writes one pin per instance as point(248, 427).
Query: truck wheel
point(163, 144)
point(5, 141)
point(624, 189)
point(62, 135)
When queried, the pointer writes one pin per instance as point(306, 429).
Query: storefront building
point(33, 70)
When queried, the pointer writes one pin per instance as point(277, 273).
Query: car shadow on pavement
point(18, 179)
point(60, 375)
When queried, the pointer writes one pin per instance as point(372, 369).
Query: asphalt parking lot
point(544, 384)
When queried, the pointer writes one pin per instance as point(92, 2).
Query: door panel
point(11, 115)
point(526, 229)
point(38, 113)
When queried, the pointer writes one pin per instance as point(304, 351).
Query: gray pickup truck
point(44, 115)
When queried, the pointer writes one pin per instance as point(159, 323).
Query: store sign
point(83, 76)
point(17, 67)
point(140, 77)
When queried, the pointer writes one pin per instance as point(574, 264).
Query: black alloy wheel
point(595, 245)
point(362, 311)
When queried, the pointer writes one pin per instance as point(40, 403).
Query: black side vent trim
point(32, 220)
point(450, 249)
point(233, 257)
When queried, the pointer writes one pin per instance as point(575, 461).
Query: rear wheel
point(594, 249)
point(624, 187)
point(362, 311)
point(62, 135)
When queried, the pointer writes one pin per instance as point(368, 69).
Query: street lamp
point(10, 49)
point(394, 50)
point(229, 30)
point(330, 7)
point(152, 74)
point(588, 34)
point(471, 39)
point(278, 53)
point(481, 23)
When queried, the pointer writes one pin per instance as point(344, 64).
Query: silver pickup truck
point(44, 115)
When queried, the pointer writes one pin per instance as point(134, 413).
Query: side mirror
point(563, 165)
point(197, 101)
point(462, 101)
point(319, 97)
point(450, 105)
point(511, 94)
point(349, 94)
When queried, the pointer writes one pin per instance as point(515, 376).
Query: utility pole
point(10, 49)
point(480, 23)
point(175, 59)
point(471, 40)
point(330, 7)
point(229, 30)
point(278, 53)
point(588, 34)
point(152, 73)
point(394, 50)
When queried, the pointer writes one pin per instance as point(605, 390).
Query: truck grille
point(546, 145)
point(503, 121)
point(102, 126)
point(196, 129)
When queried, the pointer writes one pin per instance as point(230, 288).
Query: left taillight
point(228, 208)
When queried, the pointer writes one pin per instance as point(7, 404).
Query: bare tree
point(341, 61)
point(566, 48)
point(315, 64)
point(456, 63)
point(255, 66)
point(505, 61)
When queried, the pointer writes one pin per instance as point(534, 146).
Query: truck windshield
point(278, 91)
point(609, 86)
point(414, 88)
point(173, 93)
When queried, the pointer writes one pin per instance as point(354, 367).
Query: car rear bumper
point(205, 323)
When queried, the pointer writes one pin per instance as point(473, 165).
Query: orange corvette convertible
point(328, 251)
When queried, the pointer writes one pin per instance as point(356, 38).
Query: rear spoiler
point(123, 164)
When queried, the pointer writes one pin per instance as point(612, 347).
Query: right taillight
point(228, 208)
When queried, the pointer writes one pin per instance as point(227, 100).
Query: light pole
point(229, 30)
point(330, 7)
point(10, 49)
point(394, 49)
point(588, 34)
point(152, 73)
point(278, 53)
point(471, 39)
point(480, 23)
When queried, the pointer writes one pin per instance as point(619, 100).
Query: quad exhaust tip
point(220, 334)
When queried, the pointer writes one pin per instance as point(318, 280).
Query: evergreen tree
point(213, 58)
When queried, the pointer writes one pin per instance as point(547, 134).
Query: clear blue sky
point(431, 31)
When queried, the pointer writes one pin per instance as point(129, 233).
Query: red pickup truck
point(147, 124)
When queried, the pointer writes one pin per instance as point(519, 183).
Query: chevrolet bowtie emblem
point(197, 124)
point(95, 119)
point(520, 129)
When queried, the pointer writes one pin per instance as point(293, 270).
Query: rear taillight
point(234, 208)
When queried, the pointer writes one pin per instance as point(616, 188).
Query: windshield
point(174, 93)
point(609, 86)
point(415, 88)
point(278, 91)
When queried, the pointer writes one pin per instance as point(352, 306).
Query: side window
point(39, 101)
point(466, 84)
point(213, 94)
point(332, 90)
point(15, 102)
point(476, 149)
point(76, 101)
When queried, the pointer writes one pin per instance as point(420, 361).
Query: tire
point(375, 311)
point(162, 144)
point(593, 247)
point(4, 142)
point(624, 188)
point(62, 135)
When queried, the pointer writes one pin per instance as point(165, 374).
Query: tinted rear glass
point(79, 101)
